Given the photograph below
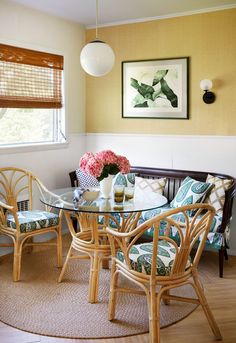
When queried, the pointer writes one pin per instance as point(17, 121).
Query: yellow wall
point(21, 26)
point(208, 39)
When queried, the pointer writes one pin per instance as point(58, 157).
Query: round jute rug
point(40, 305)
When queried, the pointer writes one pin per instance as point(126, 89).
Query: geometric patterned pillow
point(191, 192)
point(216, 197)
point(86, 180)
point(151, 185)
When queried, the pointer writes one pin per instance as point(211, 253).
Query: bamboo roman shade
point(30, 79)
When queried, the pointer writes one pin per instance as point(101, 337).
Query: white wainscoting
point(204, 153)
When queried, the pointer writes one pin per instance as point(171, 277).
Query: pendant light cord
point(96, 19)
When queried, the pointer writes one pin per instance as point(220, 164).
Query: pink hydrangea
point(84, 161)
point(123, 164)
point(107, 157)
point(103, 163)
point(94, 167)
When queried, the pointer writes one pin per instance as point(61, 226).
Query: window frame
point(28, 147)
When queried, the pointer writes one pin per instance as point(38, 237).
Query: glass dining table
point(91, 241)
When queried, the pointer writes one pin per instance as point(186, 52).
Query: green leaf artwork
point(147, 94)
point(158, 76)
point(171, 96)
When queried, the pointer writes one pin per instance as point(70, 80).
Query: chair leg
point(113, 292)
point(29, 249)
point(221, 262)
point(94, 278)
point(17, 261)
point(166, 301)
point(105, 263)
point(65, 264)
point(154, 317)
point(206, 308)
point(59, 248)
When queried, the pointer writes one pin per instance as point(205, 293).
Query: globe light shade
point(206, 85)
point(97, 58)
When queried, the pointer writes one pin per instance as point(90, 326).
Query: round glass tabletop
point(64, 198)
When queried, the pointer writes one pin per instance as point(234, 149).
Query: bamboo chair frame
point(158, 287)
point(13, 183)
point(92, 243)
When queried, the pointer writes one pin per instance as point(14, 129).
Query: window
point(31, 101)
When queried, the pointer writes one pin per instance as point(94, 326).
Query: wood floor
point(221, 294)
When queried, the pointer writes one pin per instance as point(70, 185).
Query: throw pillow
point(153, 185)
point(191, 192)
point(216, 197)
point(86, 180)
point(127, 180)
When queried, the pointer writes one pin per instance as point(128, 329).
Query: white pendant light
point(97, 58)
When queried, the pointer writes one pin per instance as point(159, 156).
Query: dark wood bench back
point(73, 179)
point(175, 178)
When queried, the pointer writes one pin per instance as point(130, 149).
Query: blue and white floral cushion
point(191, 192)
point(141, 257)
point(33, 220)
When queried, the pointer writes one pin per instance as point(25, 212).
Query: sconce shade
point(206, 85)
point(97, 58)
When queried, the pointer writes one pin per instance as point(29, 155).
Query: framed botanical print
point(155, 88)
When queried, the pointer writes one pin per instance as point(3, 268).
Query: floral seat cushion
point(141, 258)
point(33, 220)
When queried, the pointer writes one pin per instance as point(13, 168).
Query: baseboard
point(232, 252)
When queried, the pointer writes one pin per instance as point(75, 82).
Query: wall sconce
point(208, 97)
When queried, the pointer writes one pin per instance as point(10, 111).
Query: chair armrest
point(41, 185)
point(117, 233)
point(43, 189)
point(6, 207)
point(141, 228)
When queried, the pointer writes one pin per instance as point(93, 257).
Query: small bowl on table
point(91, 194)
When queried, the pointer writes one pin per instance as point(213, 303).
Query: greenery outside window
point(31, 97)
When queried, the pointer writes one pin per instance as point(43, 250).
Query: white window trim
point(25, 147)
point(12, 149)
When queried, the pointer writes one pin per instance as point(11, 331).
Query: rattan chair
point(162, 265)
point(90, 243)
point(17, 187)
